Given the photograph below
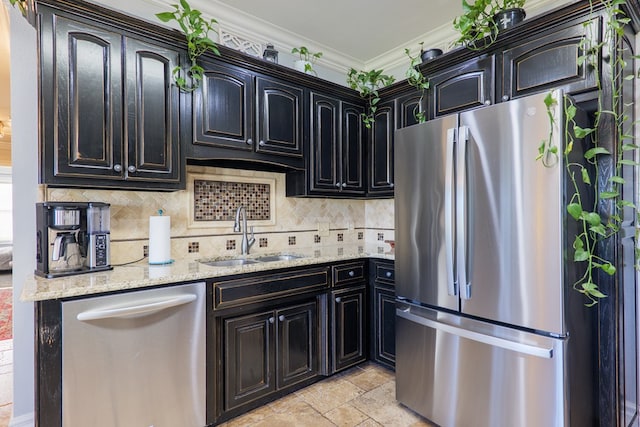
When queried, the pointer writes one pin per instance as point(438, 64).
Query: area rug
point(6, 311)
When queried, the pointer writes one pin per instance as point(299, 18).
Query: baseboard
point(26, 420)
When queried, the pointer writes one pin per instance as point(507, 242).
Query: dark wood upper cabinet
point(352, 174)
point(280, 128)
point(324, 144)
point(465, 86)
point(550, 61)
point(380, 166)
point(223, 108)
point(407, 105)
point(110, 115)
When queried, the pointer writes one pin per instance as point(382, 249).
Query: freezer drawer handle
point(147, 308)
point(546, 353)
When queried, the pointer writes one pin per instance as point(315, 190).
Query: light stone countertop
point(141, 274)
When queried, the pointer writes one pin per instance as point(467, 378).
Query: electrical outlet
point(323, 228)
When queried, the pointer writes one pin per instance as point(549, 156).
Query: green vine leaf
point(592, 152)
point(617, 180)
point(575, 210)
point(580, 255)
point(609, 194)
point(585, 176)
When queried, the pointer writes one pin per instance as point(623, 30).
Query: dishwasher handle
point(137, 310)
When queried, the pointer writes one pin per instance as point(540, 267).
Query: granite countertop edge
point(140, 275)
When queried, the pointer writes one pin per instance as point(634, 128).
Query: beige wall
point(354, 220)
point(5, 153)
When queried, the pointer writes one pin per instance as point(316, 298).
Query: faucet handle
point(251, 230)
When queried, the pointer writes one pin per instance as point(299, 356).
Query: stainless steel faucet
point(247, 242)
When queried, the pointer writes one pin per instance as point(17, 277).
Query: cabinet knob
point(487, 102)
point(117, 168)
point(338, 185)
point(281, 318)
point(352, 273)
point(131, 169)
point(261, 143)
point(505, 97)
point(249, 141)
point(391, 185)
point(344, 184)
point(271, 319)
point(388, 274)
point(338, 299)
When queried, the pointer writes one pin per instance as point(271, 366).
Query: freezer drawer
point(455, 374)
point(135, 359)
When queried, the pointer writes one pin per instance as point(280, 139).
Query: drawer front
point(230, 293)
point(347, 273)
point(385, 273)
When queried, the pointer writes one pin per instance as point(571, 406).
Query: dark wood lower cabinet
point(349, 323)
point(268, 351)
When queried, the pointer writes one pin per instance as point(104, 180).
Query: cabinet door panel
point(325, 143)
point(85, 125)
point(249, 360)
point(385, 345)
point(352, 177)
point(407, 107)
point(222, 108)
point(463, 87)
point(297, 344)
point(381, 150)
point(280, 118)
point(550, 62)
point(349, 340)
point(152, 113)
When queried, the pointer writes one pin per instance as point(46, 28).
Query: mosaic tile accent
point(380, 236)
point(360, 249)
point(194, 247)
point(263, 242)
point(380, 250)
point(231, 245)
point(340, 251)
point(360, 235)
point(317, 253)
point(292, 240)
point(219, 200)
point(316, 239)
point(145, 250)
point(340, 237)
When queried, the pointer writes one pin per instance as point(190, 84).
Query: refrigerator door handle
point(461, 212)
point(449, 219)
point(532, 350)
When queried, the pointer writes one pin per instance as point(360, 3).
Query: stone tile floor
point(6, 381)
point(362, 396)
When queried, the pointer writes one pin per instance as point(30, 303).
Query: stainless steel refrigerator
point(488, 330)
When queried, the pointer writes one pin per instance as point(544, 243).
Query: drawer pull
point(388, 274)
point(281, 318)
point(352, 273)
point(271, 320)
point(338, 300)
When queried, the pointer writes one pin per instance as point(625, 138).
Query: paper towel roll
point(160, 239)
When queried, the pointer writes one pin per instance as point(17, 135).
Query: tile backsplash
point(294, 221)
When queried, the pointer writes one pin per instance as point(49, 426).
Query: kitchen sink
point(229, 262)
point(272, 258)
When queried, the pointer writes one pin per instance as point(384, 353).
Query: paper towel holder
point(160, 239)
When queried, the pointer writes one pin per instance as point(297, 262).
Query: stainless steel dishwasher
point(135, 359)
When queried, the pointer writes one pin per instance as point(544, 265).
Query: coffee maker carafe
point(72, 238)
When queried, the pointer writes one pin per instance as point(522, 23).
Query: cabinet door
point(462, 87)
point(249, 358)
point(349, 338)
point(551, 61)
point(81, 91)
point(381, 151)
point(385, 326)
point(223, 108)
point(279, 111)
point(352, 154)
point(297, 344)
point(152, 112)
point(407, 106)
point(325, 144)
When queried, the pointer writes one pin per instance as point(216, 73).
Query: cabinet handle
point(249, 141)
point(271, 319)
point(117, 168)
point(281, 318)
point(338, 299)
point(131, 169)
point(388, 274)
point(261, 143)
point(352, 273)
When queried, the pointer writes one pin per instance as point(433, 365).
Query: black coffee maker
point(72, 238)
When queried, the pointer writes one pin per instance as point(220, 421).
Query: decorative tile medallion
point(292, 240)
point(231, 245)
point(360, 235)
point(263, 242)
